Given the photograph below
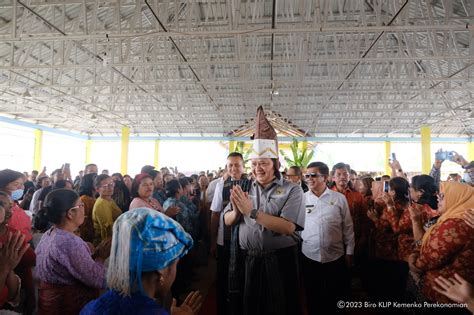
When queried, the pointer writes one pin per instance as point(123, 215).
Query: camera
point(444, 155)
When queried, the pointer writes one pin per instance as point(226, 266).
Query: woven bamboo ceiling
point(324, 67)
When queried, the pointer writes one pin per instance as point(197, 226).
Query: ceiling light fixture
point(274, 91)
point(27, 94)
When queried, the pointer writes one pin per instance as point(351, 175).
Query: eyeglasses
point(313, 175)
point(111, 185)
point(79, 206)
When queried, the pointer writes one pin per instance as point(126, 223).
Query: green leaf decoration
point(300, 157)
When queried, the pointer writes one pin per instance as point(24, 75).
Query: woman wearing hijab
point(146, 247)
point(448, 246)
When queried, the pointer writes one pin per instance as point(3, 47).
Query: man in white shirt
point(220, 235)
point(211, 188)
point(328, 243)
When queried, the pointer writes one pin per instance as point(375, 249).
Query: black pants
point(388, 280)
point(272, 282)
point(325, 285)
point(223, 255)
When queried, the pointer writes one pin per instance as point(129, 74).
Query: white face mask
point(466, 178)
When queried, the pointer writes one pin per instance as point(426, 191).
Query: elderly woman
point(69, 276)
point(448, 246)
point(146, 247)
point(142, 192)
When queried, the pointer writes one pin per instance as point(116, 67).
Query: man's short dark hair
point(323, 168)
point(297, 169)
point(340, 166)
point(235, 154)
point(147, 169)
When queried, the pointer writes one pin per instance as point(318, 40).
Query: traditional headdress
point(143, 240)
point(458, 198)
point(265, 143)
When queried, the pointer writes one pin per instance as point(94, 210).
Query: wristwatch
point(254, 214)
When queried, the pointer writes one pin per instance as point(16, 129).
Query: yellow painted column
point(38, 153)
point(425, 133)
point(388, 151)
point(470, 151)
point(124, 155)
point(156, 162)
point(304, 145)
point(232, 146)
point(88, 151)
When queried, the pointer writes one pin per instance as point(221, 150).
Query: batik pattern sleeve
point(449, 251)
point(444, 242)
point(399, 219)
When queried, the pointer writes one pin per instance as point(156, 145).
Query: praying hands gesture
point(241, 200)
point(12, 251)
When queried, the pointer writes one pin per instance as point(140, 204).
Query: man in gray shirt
point(268, 218)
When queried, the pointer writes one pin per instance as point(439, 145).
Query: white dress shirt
point(34, 205)
point(328, 232)
point(217, 206)
point(211, 188)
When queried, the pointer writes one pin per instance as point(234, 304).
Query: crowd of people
point(296, 241)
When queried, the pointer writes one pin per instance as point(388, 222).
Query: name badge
point(309, 208)
point(279, 191)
